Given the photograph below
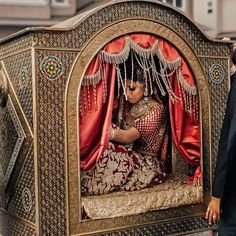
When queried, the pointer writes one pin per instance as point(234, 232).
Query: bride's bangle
point(111, 134)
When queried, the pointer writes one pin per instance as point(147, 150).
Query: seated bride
point(137, 151)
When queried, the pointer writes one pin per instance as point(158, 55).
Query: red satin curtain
point(94, 125)
point(185, 128)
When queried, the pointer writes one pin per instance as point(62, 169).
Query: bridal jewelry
point(140, 108)
point(111, 133)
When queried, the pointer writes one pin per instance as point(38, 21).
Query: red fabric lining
point(94, 126)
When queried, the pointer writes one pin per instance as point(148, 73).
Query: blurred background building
point(215, 17)
point(19, 14)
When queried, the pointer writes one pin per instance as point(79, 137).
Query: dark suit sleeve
point(224, 145)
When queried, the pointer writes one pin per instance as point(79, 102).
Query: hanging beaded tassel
point(191, 89)
point(125, 80)
point(80, 103)
point(132, 68)
point(104, 84)
point(145, 60)
point(85, 100)
point(166, 82)
point(181, 93)
point(120, 79)
point(196, 106)
point(95, 97)
point(188, 91)
point(89, 98)
point(117, 58)
point(92, 79)
point(146, 83)
point(156, 78)
point(85, 97)
point(118, 82)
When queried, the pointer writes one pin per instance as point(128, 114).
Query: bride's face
point(134, 91)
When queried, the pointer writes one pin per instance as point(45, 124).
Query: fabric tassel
point(119, 77)
point(104, 82)
point(132, 68)
point(95, 97)
point(89, 98)
point(92, 79)
point(80, 104)
point(167, 63)
point(145, 59)
point(85, 100)
point(117, 58)
point(143, 52)
point(191, 89)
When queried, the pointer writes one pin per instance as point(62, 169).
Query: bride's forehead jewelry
point(135, 85)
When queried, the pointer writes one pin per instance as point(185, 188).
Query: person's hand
point(213, 211)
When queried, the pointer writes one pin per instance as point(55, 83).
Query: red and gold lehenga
point(136, 166)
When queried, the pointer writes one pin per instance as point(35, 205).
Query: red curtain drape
point(185, 129)
point(94, 125)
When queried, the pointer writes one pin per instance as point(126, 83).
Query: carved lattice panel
point(15, 45)
point(12, 137)
point(11, 226)
point(218, 80)
point(50, 93)
point(22, 202)
point(171, 228)
point(133, 9)
point(19, 69)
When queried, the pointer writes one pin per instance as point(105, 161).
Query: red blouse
point(153, 129)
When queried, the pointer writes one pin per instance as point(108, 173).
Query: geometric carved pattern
point(12, 226)
point(22, 202)
point(176, 21)
point(51, 67)
point(19, 69)
point(15, 45)
point(170, 228)
point(24, 78)
point(50, 118)
point(217, 74)
point(218, 97)
point(27, 199)
point(6, 146)
point(12, 132)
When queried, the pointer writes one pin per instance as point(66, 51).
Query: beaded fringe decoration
point(145, 59)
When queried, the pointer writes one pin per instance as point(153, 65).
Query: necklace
point(140, 108)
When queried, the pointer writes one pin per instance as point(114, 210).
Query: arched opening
point(138, 98)
point(75, 82)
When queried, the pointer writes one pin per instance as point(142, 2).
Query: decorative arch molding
point(89, 50)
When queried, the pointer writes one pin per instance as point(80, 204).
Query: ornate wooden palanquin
point(41, 73)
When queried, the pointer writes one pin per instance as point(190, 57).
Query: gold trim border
point(36, 164)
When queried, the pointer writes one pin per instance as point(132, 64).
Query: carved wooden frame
point(89, 50)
